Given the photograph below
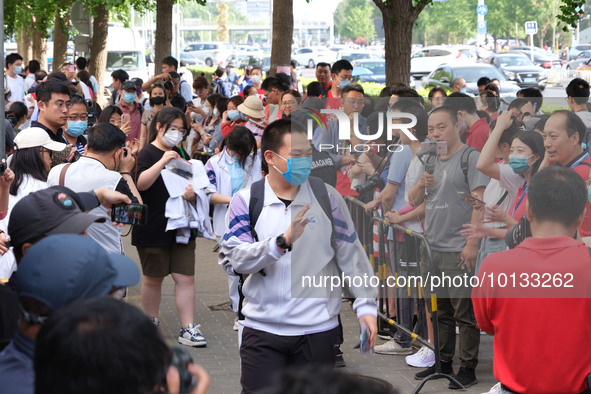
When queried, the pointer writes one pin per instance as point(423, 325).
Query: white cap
point(36, 136)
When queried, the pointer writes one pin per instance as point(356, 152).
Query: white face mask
point(256, 78)
point(172, 137)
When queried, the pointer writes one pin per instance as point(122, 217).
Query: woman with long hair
point(157, 101)
point(159, 250)
point(236, 167)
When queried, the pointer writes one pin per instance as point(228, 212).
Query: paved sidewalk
point(220, 357)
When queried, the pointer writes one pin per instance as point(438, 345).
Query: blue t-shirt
point(399, 162)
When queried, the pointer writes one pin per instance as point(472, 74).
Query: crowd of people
point(476, 175)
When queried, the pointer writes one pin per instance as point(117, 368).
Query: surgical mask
point(172, 137)
point(343, 84)
point(229, 69)
point(463, 90)
point(298, 169)
point(129, 97)
point(157, 100)
point(242, 116)
point(256, 78)
point(18, 69)
point(207, 110)
point(77, 127)
point(233, 114)
point(216, 113)
point(519, 163)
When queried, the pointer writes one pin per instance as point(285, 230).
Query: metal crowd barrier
point(364, 225)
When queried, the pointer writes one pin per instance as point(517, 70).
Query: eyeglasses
point(45, 150)
point(115, 122)
point(183, 131)
point(355, 102)
point(289, 103)
point(61, 104)
point(82, 117)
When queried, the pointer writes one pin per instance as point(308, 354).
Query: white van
point(125, 51)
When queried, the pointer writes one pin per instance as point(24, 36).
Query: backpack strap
point(464, 162)
point(321, 193)
point(63, 174)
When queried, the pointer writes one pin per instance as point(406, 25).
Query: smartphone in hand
point(125, 118)
point(135, 214)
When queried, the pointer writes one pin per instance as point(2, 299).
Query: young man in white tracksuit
point(288, 320)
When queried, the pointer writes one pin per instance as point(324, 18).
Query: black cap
point(55, 210)
point(128, 85)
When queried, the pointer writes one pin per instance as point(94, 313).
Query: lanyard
point(520, 199)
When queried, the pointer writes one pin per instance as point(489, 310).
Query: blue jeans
point(488, 246)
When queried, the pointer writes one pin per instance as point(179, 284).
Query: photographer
point(172, 87)
point(17, 114)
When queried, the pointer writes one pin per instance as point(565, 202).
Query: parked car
point(241, 61)
point(575, 50)
point(429, 58)
point(541, 59)
point(370, 70)
point(445, 73)
point(211, 53)
point(352, 55)
point(190, 59)
point(248, 50)
point(311, 56)
point(519, 68)
point(579, 60)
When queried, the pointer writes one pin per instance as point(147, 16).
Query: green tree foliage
point(354, 18)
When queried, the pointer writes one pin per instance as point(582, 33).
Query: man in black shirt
point(176, 99)
point(53, 101)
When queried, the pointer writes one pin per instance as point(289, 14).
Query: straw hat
point(253, 107)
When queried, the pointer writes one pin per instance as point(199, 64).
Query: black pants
point(264, 355)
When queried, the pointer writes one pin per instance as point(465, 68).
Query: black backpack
point(255, 207)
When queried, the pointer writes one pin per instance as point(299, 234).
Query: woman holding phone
point(159, 250)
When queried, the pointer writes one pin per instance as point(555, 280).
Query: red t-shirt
point(477, 135)
point(518, 208)
point(583, 170)
point(525, 360)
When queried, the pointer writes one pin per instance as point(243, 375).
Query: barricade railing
point(365, 230)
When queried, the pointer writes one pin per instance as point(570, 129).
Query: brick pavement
point(220, 357)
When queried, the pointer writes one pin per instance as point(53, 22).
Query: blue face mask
point(77, 127)
point(242, 116)
point(343, 84)
point(207, 111)
point(216, 113)
point(519, 163)
point(18, 69)
point(129, 97)
point(463, 90)
point(233, 114)
point(298, 169)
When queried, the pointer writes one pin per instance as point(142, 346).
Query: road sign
point(481, 27)
point(531, 27)
point(482, 9)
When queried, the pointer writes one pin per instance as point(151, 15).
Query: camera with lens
point(91, 113)
point(168, 85)
point(181, 359)
point(374, 181)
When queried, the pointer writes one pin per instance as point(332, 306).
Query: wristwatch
point(282, 243)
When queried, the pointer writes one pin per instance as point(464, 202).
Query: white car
point(211, 53)
point(311, 56)
point(357, 54)
point(427, 59)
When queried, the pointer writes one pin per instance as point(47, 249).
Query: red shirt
point(525, 360)
point(477, 135)
point(583, 170)
point(518, 208)
point(135, 120)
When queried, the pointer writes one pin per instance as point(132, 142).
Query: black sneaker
point(466, 377)
point(446, 368)
point(340, 361)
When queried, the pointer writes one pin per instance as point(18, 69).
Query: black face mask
point(157, 100)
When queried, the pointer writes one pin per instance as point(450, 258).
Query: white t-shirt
point(585, 117)
point(413, 175)
point(16, 87)
point(508, 181)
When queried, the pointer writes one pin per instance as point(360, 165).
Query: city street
point(220, 357)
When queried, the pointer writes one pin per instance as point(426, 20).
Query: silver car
point(211, 53)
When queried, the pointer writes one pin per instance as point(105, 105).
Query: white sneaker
point(236, 325)
point(391, 347)
point(191, 336)
point(495, 389)
point(424, 358)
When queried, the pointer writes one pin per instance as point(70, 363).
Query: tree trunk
point(163, 32)
point(40, 49)
point(282, 34)
point(98, 49)
point(399, 17)
point(61, 30)
point(25, 45)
